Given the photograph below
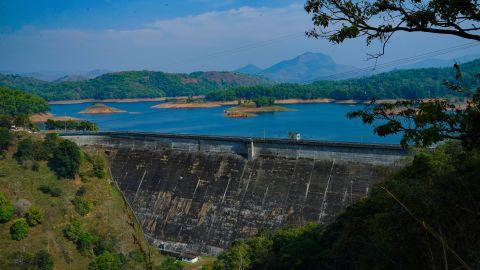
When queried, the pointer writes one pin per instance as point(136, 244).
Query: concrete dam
point(199, 193)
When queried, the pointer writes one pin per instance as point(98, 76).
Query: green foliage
point(6, 209)
point(378, 20)
point(426, 122)
point(264, 101)
point(401, 84)
point(19, 229)
point(134, 84)
point(171, 264)
point(85, 241)
point(81, 191)
point(82, 206)
point(53, 191)
point(106, 261)
point(98, 163)
point(421, 217)
point(73, 230)
point(71, 125)
point(13, 102)
point(29, 150)
point(43, 260)
point(66, 159)
point(6, 139)
point(34, 216)
point(137, 255)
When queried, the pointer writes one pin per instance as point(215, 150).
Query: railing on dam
point(249, 147)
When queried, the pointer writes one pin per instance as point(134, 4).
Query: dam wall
point(199, 193)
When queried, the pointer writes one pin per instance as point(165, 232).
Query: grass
point(109, 216)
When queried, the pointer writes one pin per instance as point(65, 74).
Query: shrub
point(82, 206)
point(54, 192)
point(66, 159)
point(99, 167)
point(6, 139)
point(86, 242)
point(106, 261)
point(137, 255)
point(43, 260)
point(73, 230)
point(171, 264)
point(34, 216)
point(81, 191)
point(19, 229)
point(6, 209)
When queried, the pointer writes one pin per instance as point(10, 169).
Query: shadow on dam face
point(190, 199)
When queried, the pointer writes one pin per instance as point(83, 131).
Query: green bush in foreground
point(34, 216)
point(107, 261)
point(43, 260)
point(82, 206)
point(6, 209)
point(66, 159)
point(19, 229)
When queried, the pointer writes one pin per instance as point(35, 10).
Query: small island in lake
point(191, 102)
point(252, 108)
point(100, 108)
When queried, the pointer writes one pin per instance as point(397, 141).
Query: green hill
point(14, 103)
point(403, 84)
point(133, 84)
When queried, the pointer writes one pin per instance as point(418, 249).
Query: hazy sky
point(181, 35)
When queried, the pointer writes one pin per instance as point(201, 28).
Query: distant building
point(294, 136)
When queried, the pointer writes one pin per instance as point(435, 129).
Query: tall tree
point(339, 20)
point(423, 122)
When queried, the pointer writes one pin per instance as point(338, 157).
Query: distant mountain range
point(304, 68)
point(310, 67)
point(51, 76)
point(132, 84)
point(438, 63)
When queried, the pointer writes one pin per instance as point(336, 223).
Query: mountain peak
point(249, 69)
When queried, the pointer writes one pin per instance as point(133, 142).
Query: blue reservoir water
point(312, 121)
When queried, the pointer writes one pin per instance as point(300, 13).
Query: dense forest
point(402, 84)
point(133, 84)
point(14, 103)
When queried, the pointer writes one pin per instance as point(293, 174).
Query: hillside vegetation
point(78, 222)
point(14, 103)
point(133, 84)
point(425, 216)
point(400, 84)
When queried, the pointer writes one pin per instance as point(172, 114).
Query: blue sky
point(174, 36)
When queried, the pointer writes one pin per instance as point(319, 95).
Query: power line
point(398, 62)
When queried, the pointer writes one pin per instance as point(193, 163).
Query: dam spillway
point(199, 193)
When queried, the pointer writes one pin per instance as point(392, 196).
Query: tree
point(338, 20)
point(34, 216)
point(6, 209)
point(106, 261)
point(6, 139)
point(19, 229)
point(82, 206)
point(423, 122)
point(66, 159)
point(170, 264)
point(43, 260)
